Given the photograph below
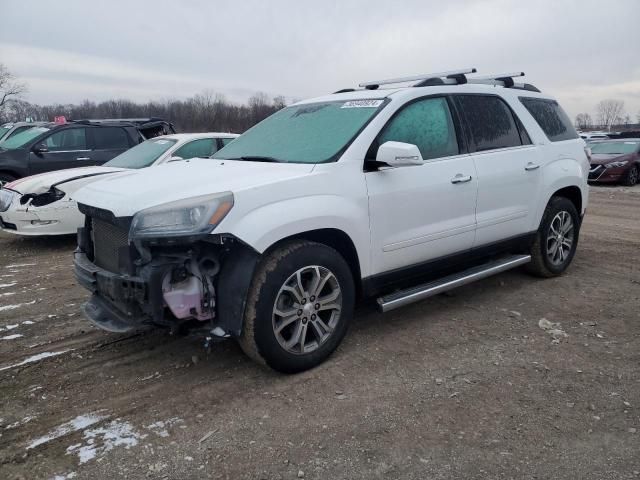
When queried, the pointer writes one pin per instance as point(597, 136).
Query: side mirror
point(399, 154)
point(40, 148)
point(175, 159)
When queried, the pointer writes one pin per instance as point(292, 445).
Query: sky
point(580, 51)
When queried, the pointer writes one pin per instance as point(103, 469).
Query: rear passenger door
point(420, 213)
point(66, 148)
point(107, 143)
point(508, 167)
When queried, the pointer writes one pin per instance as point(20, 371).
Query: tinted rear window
point(106, 138)
point(490, 122)
point(551, 117)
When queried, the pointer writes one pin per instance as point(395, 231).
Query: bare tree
point(10, 87)
point(608, 111)
point(583, 120)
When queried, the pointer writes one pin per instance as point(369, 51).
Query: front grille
point(109, 241)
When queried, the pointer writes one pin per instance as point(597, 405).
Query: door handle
point(83, 158)
point(531, 166)
point(459, 178)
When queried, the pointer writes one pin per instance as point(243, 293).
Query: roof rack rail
point(450, 75)
point(503, 80)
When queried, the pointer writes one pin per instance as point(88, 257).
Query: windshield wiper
point(255, 158)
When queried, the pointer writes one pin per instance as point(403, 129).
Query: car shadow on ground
point(39, 244)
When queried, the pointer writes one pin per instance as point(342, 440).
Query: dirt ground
point(465, 385)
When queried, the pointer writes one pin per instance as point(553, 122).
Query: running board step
point(415, 294)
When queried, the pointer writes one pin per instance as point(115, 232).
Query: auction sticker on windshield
point(362, 104)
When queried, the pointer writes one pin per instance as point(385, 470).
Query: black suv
point(77, 143)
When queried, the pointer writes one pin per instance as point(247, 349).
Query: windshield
point(311, 133)
point(4, 129)
point(614, 148)
point(22, 138)
point(142, 155)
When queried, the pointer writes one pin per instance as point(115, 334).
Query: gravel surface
point(472, 384)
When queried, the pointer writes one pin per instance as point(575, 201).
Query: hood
point(132, 191)
point(604, 158)
point(42, 182)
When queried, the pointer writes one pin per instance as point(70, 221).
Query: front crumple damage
point(168, 285)
point(42, 199)
point(33, 214)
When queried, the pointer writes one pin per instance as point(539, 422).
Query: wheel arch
point(236, 273)
point(572, 193)
point(339, 241)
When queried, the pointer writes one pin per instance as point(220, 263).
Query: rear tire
point(556, 240)
point(299, 306)
point(6, 178)
point(631, 177)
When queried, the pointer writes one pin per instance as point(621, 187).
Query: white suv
point(397, 193)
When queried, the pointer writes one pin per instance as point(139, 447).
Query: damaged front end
point(198, 280)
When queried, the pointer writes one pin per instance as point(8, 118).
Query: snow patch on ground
point(7, 285)
point(100, 440)
point(24, 421)
point(13, 307)
point(79, 423)
point(8, 294)
point(11, 337)
point(35, 358)
point(67, 476)
point(160, 427)
point(18, 265)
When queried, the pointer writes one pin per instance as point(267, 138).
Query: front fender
point(267, 224)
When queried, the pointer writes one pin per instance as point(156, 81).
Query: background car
point(8, 130)
point(615, 161)
point(78, 143)
point(593, 136)
point(44, 205)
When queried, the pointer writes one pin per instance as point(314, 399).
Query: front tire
point(632, 176)
point(556, 240)
point(299, 306)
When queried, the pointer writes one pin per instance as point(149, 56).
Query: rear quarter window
point(551, 117)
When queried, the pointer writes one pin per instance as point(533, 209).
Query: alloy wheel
point(560, 238)
point(307, 309)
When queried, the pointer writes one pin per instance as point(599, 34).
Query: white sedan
point(44, 204)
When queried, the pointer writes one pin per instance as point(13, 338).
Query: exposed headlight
point(616, 164)
point(6, 197)
point(192, 216)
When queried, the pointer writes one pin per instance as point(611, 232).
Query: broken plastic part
point(42, 199)
point(191, 295)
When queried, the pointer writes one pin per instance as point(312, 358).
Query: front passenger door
point(66, 148)
point(423, 212)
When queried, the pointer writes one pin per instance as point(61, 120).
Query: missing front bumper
point(122, 302)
